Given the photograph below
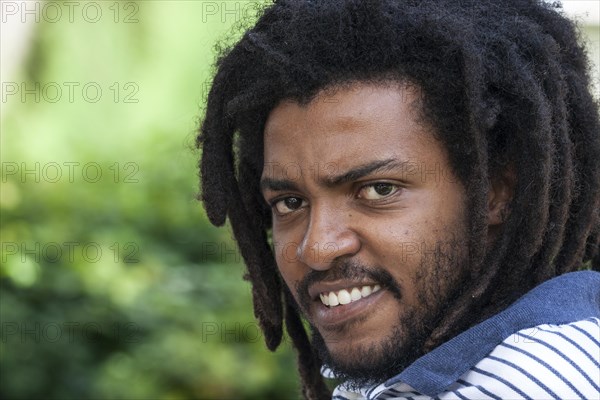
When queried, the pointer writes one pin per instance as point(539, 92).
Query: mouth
point(335, 298)
point(336, 304)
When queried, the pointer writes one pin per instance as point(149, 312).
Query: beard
point(374, 363)
point(438, 281)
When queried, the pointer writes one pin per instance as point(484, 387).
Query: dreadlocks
point(506, 87)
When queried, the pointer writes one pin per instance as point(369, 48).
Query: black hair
point(505, 85)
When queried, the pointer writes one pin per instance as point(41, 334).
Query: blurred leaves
point(113, 284)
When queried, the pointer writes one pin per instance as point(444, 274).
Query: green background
point(113, 283)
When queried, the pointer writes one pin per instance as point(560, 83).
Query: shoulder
point(545, 361)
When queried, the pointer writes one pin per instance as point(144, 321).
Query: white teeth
point(333, 300)
point(365, 291)
point(344, 297)
point(347, 296)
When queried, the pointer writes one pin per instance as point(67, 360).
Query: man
point(420, 181)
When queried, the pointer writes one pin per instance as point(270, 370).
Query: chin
point(352, 349)
point(370, 358)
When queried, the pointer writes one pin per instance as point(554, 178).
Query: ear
point(502, 188)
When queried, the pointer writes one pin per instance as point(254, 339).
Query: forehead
point(350, 126)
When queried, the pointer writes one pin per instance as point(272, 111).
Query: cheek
point(396, 241)
point(287, 262)
point(287, 254)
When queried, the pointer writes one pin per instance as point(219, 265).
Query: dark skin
point(355, 180)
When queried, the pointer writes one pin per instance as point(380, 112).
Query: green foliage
point(115, 285)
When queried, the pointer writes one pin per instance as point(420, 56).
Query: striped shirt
point(544, 346)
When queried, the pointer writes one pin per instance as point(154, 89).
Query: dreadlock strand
point(265, 270)
point(216, 166)
point(265, 291)
point(313, 387)
point(586, 142)
point(563, 174)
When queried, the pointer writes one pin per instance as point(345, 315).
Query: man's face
point(368, 223)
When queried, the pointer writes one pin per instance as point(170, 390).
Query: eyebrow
point(268, 183)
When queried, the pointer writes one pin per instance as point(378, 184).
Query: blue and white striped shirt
point(544, 346)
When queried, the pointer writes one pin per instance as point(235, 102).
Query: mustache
point(347, 269)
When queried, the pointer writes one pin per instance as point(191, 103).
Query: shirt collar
point(566, 298)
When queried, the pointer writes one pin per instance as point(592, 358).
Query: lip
point(331, 317)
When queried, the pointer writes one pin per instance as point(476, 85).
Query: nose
point(329, 236)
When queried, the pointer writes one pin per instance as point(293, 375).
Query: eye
point(377, 191)
point(288, 205)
